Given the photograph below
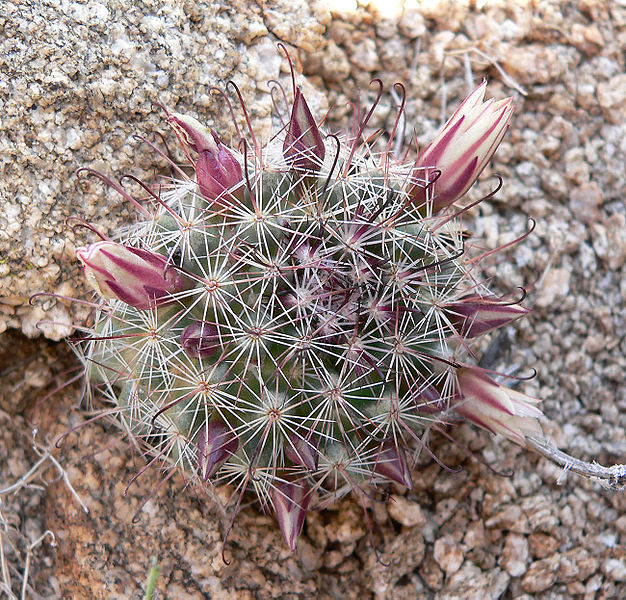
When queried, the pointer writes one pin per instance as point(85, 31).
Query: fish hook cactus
point(292, 316)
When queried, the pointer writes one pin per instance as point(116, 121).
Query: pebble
point(412, 24)
point(546, 60)
point(507, 517)
point(555, 286)
point(448, 554)
point(587, 39)
point(592, 586)
point(514, 557)
point(364, 55)
point(576, 565)
point(405, 512)
point(609, 240)
point(585, 201)
point(541, 574)
point(542, 545)
point(615, 569)
point(431, 573)
point(612, 98)
point(470, 583)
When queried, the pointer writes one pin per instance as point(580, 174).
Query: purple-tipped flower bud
point(303, 148)
point(474, 315)
point(391, 463)
point(218, 172)
point(494, 407)
point(138, 277)
point(200, 339)
point(290, 501)
point(216, 443)
point(428, 399)
point(461, 150)
point(302, 451)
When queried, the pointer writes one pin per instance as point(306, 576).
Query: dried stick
point(613, 478)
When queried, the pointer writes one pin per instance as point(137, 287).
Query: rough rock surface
point(79, 81)
point(81, 85)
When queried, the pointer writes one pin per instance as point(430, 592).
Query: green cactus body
point(310, 342)
point(325, 305)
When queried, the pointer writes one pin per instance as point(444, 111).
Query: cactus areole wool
point(291, 317)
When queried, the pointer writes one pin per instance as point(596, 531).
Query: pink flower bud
point(302, 451)
point(428, 400)
point(391, 463)
point(218, 172)
point(494, 407)
point(303, 148)
point(200, 340)
point(461, 150)
point(216, 443)
point(474, 315)
point(290, 501)
point(138, 277)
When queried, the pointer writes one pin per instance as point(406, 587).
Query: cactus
point(291, 317)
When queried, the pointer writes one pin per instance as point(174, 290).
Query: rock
point(515, 554)
point(609, 240)
point(554, 286)
point(93, 78)
point(612, 98)
point(541, 574)
point(448, 555)
point(585, 201)
point(405, 512)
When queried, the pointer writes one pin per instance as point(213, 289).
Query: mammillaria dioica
point(294, 316)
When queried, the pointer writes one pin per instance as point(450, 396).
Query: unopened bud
point(391, 463)
point(461, 150)
point(218, 172)
point(200, 339)
point(303, 452)
point(495, 407)
point(290, 501)
point(216, 442)
point(474, 315)
point(138, 277)
point(303, 148)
